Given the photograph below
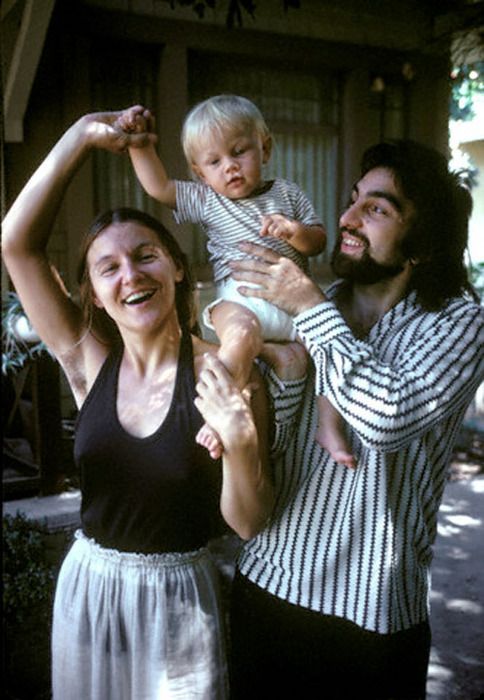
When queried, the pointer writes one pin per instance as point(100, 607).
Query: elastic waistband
point(164, 559)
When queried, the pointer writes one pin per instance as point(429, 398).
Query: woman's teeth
point(138, 297)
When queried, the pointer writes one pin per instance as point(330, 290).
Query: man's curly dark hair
point(437, 238)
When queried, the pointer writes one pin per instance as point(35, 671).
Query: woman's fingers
point(215, 374)
point(222, 405)
point(105, 131)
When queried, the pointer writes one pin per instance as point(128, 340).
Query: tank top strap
point(186, 369)
point(184, 391)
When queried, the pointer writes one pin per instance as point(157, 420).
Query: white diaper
point(276, 324)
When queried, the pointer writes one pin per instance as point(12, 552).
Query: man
point(331, 600)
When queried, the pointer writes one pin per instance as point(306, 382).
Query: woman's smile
point(139, 297)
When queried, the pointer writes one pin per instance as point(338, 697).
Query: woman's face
point(132, 277)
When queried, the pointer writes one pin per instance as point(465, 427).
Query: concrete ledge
point(58, 512)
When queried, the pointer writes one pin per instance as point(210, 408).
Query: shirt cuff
point(320, 324)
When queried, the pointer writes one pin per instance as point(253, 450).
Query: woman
point(137, 612)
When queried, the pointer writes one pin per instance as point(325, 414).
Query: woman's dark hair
point(437, 238)
point(184, 298)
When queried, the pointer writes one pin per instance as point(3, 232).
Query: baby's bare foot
point(336, 446)
point(208, 438)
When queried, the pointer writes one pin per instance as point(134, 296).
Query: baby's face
point(231, 163)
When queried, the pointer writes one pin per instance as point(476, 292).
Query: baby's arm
point(307, 239)
point(148, 167)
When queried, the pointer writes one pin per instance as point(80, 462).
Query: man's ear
point(266, 149)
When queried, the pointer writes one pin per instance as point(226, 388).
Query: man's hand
point(279, 280)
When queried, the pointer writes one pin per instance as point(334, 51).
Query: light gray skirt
point(137, 626)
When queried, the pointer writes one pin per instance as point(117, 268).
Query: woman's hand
point(224, 407)
point(279, 280)
point(107, 130)
point(247, 496)
point(136, 120)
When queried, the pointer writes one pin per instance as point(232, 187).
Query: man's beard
point(365, 270)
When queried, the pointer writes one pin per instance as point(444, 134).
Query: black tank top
point(154, 494)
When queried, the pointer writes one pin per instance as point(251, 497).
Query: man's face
point(372, 228)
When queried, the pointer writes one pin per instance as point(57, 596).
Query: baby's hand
point(135, 120)
point(278, 226)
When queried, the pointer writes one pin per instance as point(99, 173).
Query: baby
point(226, 144)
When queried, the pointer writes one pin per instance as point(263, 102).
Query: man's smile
point(349, 241)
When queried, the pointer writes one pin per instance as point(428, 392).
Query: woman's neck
point(146, 354)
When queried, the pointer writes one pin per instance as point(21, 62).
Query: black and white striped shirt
point(358, 544)
point(228, 222)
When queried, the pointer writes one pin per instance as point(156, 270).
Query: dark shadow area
point(457, 598)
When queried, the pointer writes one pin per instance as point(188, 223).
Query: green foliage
point(467, 82)
point(477, 277)
point(28, 579)
point(15, 352)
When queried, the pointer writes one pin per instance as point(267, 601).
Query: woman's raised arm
point(29, 222)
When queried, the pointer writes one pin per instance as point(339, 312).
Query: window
point(388, 102)
point(121, 75)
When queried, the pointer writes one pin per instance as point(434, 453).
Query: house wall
point(340, 36)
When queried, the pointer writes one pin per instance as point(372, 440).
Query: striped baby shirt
point(227, 222)
point(358, 544)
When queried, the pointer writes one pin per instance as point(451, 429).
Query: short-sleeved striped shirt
point(358, 544)
point(227, 222)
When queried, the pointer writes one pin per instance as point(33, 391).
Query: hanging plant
point(20, 343)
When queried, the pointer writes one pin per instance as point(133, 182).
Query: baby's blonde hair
point(218, 115)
